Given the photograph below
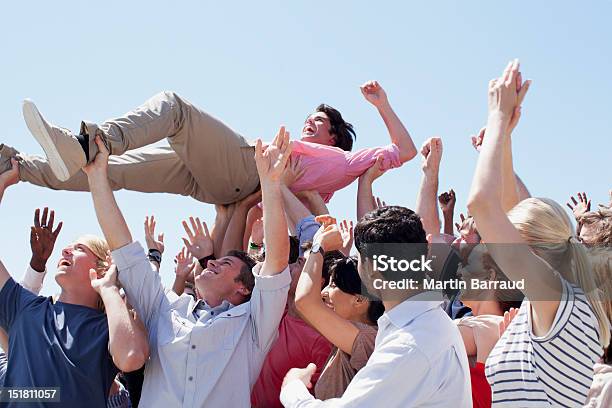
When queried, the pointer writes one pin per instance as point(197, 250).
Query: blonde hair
point(100, 249)
point(547, 229)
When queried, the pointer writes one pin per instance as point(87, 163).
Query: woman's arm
point(485, 203)
point(340, 332)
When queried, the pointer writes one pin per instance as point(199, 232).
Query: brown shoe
point(64, 152)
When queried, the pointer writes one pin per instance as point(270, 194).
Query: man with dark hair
point(419, 358)
point(207, 352)
point(206, 159)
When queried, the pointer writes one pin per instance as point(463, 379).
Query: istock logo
point(384, 263)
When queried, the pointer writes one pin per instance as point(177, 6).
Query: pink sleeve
point(361, 160)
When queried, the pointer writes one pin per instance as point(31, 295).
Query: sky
point(257, 65)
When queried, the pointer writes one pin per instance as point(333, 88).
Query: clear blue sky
point(260, 64)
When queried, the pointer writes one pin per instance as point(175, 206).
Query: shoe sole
point(37, 127)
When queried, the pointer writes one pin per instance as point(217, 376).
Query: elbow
point(479, 202)
point(133, 360)
point(408, 154)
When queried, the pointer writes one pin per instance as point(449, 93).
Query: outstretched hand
point(99, 165)
point(185, 264)
point(108, 281)
point(271, 162)
point(200, 243)
point(376, 170)
point(580, 207)
point(346, 231)
point(149, 228)
point(10, 176)
point(42, 238)
point(328, 235)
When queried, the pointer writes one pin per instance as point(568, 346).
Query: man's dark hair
point(343, 131)
point(344, 274)
point(389, 225)
point(328, 259)
point(294, 249)
point(245, 276)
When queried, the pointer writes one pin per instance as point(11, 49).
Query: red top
point(481, 390)
point(297, 345)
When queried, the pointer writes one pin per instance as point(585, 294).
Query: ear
point(243, 290)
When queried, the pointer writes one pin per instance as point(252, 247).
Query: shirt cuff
point(33, 280)
point(128, 255)
point(271, 282)
point(293, 393)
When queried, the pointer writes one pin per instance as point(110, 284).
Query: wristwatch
point(317, 248)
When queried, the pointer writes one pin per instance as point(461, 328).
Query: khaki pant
point(206, 159)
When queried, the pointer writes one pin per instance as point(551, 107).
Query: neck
point(487, 307)
point(291, 309)
point(211, 299)
point(396, 297)
point(81, 299)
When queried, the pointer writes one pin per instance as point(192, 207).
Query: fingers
point(101, 146)
point(37, 218)
point(51, 220)
point(93, 275)
point(258, 150)
point(57, 230)
point(325, 220)
point(160, 237)
point(188, 231)
point(43, 220)
point(523, 91)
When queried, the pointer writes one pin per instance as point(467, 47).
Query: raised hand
point(99, 165)
point(375, 170)
point(379, 203)
point(149, 228)
point(432, 154)
point(374, 93)
point(580, 207)
point(42, 238)
point(199, 243)
point(478, 139)
point(293, 172)
point(506, 92)
point(447, 201)
point(271, 162)
point(346, 231)
point(508, 316)
point(185, 264)
point(467, 230)
point(328, 235)
point(11, 176)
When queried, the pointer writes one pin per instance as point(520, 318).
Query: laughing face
point(317, 129)
point(219, 278)
point(74, 265)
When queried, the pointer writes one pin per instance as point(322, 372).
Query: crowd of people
point(279, 304)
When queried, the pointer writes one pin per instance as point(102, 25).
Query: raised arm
point(142, 284)
point(111, 219)
point(338, 331)
point(447, 204)
point(235, 232)
point(127, 344)
point(365, 197)
point(427, 203)
point(7, 179)
point(217, 232)
point(485, 203)
point(271, 163)
point(376, 95)
point(155, 246)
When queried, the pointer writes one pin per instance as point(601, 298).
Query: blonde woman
point(546, 356)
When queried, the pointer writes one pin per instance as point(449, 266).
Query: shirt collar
point(411, 308)
point(202, 306)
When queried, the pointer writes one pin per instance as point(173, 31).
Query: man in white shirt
point(419, 358)
point(207, 352)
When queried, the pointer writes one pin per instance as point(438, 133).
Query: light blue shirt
point(211, 360)
point(419, 360)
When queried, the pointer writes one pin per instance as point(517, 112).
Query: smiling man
point(206, 159)
point(209, 351)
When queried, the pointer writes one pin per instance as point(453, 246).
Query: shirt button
point(212, 313)
point(193, 347)
point(190, 378)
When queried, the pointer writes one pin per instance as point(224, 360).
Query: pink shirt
point(329, 168)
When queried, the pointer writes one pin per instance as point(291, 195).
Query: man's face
point(219, 278)
point(317, 129)
point(74, 265)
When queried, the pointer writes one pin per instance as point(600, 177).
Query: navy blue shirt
point(56, 345)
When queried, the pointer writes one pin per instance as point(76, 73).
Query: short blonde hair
point(99, 247)
point(602, 220)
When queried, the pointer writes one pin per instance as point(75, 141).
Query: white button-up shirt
point(211, 360)
point(419, 360)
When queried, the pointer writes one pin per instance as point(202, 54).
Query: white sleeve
point(33, 280)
